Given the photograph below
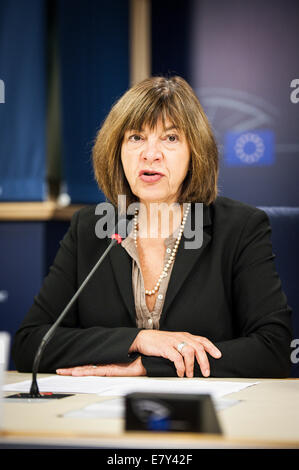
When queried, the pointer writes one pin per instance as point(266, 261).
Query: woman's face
point(155, 162)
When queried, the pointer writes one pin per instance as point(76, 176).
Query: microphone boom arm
point(34, 391)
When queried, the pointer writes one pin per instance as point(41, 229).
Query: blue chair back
point(285, 241)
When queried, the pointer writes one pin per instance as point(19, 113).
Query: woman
point(155, 307)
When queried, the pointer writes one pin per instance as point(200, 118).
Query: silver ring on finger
point(180, 346)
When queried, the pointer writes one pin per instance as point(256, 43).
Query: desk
point(267, 416)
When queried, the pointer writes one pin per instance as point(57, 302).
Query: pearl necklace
point(172, 254)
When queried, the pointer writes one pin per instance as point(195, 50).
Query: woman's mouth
point(150, 176)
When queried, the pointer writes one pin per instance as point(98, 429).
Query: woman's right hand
point(165, 344)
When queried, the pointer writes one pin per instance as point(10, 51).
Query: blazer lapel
point(186, 259)
point(122, 268)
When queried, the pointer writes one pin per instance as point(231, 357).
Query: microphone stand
point(34, 390)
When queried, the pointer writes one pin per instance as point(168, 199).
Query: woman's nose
point(152, 151)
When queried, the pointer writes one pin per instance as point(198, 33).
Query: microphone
point(116, 238)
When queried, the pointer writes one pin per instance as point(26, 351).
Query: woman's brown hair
point(144, 104)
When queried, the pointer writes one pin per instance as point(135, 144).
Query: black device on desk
point(171, 412)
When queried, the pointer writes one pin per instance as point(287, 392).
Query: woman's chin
point(155, 199)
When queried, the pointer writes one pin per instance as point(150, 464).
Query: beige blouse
point(144, 317)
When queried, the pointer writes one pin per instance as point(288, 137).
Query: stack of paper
point(121, 386)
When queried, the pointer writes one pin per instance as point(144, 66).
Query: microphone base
point(41, 396)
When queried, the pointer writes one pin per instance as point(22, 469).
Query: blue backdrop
point(22, 115)
point(94, 52)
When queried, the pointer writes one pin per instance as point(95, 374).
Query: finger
point(112, 370)
point(208, 345)
point(84, 370)
point(64, 371)
point(202, 360)
point(173, 355)
point(107, 370)
point(71, 370)
point(211, 348)
point(188, 353)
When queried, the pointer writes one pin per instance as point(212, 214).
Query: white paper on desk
point(109, 409)
point(120, 386)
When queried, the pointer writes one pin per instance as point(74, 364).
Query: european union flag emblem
point(249, 148)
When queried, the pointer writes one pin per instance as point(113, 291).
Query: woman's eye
point(172, 138)
point(135, 138)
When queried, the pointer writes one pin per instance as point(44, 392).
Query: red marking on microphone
point(46, 393)
point(117, 237)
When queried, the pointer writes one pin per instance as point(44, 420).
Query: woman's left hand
point(132, 369)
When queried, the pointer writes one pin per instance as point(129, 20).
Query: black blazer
point(227, 290)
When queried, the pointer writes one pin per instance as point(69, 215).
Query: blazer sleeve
point(261, 316)
point(71, 344)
